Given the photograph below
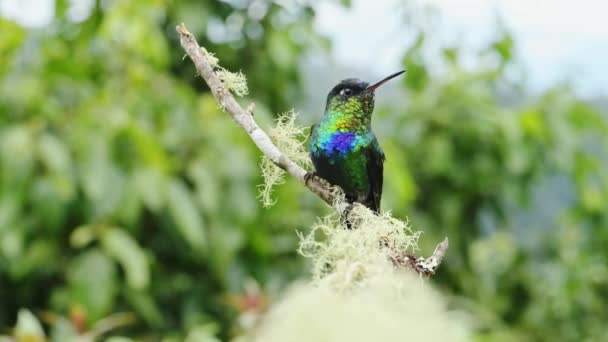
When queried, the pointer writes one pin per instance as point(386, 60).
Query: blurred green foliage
point(123, 187)
point(519, 186)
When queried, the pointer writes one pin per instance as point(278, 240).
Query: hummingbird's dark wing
point(313, 130)
point(375, 175)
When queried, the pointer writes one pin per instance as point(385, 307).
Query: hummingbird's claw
point(344, 216)
point(308, 176)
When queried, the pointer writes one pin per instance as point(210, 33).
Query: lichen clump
point(290, 139)
point(347, 258)
point(236, 82)
point(392, 307)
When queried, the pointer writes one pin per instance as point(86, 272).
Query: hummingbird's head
point(353, 95)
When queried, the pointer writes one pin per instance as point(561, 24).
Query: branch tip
point(181, 29)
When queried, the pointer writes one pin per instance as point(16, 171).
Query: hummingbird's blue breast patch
point(340, 142)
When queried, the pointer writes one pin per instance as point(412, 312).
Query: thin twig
point(423, 266)
point(244, 117)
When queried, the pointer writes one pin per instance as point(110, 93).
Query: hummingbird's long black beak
point(378, 84)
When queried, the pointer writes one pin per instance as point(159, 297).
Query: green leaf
point(592, 198)
point(417, 74)
point(63, 330)
point(150, 185)
point(40, 255)
point(102, 180)
point(143, 303)
point(206, 183)
point(11, 38)
point(92, 282)
point(130, 205)
point(148, 146)
point(12, 242)
point(49, 196)
point(504, 48)
point(17, 141)
point(9, 209)
point(118, 339)
point(186, 216)
point(532, 123)
point(281, 49)
point(122, 247)
point(54, 154)
point(203, 333)
point(82, 236)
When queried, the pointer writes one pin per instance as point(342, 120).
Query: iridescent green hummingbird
point(343, 147)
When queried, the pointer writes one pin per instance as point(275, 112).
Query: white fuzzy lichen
point(393, 306)
point(290, 139)
point(347, 258)
point(233, 81)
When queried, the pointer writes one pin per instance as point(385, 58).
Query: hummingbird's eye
point(346, 92)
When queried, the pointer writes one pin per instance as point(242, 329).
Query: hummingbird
point(343, 147)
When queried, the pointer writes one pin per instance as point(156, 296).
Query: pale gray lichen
point(233, 81)
point(348, 257)
point(290, 139)
point(393, 306)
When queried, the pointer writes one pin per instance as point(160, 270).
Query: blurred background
point(128, 200)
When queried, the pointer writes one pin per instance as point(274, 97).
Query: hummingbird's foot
point(313, 174)
point(308, 176)
point(344, 217)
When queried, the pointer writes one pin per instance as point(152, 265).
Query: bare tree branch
point(244, 117)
